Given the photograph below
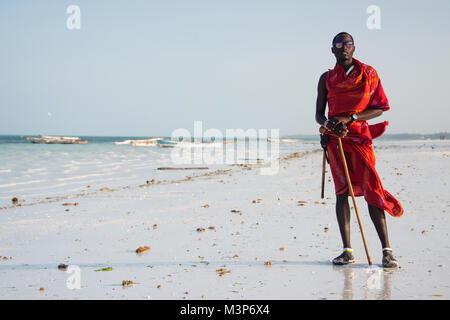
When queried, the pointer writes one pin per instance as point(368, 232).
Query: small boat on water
point(145, 143)
point(167, 143)
point(123, 142)
point(140, 143)
point(54, 140)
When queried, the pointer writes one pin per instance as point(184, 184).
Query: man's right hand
point(336, 127)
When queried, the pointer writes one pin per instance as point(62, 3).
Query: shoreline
point(255, 219)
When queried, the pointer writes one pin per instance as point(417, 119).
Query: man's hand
point(337, 126)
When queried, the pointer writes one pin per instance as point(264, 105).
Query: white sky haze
point(146, 68)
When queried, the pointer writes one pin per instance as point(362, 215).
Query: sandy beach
point(235, 234)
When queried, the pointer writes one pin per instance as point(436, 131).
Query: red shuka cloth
point(359, 91)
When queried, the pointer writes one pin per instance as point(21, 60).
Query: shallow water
point(33, 172)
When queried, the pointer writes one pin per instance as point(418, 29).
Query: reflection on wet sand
point(375, 282)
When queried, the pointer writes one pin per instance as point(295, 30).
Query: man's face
point(346, 51)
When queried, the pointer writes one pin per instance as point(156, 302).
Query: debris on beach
point(63, 267)
point(206, 206)
point(149, 182)
point(106, 189)
point(281, 249)
point(158, 286)
point(14, 200)
point(104, 269)
point(268, 263)
point(41, 289)
point(236, 256)
point(326, 229)
point(155, 226)
point(237, 211)
point(212, 228)
point(424, 231)
point(222, 271)
point(200, 229)
point(70, 204)
point(127, 283)
point(301, 202)
point(142, 249)
point(257, 201)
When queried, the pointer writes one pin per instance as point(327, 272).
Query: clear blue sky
point(148, 67)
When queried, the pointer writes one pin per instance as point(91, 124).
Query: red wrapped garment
point(359, 91)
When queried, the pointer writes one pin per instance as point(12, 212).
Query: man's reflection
point(375, 281)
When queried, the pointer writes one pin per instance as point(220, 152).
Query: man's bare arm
point(362, 116)
point(321, 101)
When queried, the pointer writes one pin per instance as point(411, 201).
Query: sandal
point(346, 257)
point(388, 259)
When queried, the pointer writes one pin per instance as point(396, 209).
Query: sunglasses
point(340, 44)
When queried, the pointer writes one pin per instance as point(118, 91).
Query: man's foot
point(346, 257)
point(388, 259)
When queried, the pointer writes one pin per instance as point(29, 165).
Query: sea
point(33, 172)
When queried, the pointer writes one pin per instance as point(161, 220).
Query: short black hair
point(340, 34)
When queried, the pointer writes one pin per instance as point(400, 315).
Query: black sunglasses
point(340, 44)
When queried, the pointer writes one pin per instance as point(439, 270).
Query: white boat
point(167, 143)
point(145, 142)
point(60, 140)
point(140, 143)
point(123, 142)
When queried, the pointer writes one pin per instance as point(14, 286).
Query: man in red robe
point(354, 94)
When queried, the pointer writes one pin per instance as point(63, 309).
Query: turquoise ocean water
point(34, 172)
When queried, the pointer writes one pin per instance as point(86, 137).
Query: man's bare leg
point(343, 218)
point(379, 220)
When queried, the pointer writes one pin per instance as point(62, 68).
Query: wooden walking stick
point(324, 163)
point(323, 143)
point(350, 188)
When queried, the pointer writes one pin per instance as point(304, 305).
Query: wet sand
point(235, 235)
